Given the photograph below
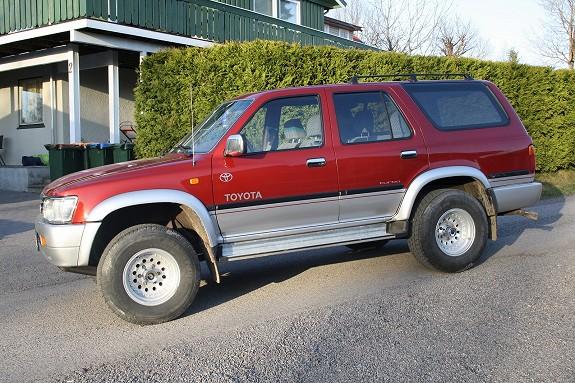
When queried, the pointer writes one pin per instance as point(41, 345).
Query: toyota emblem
point(226, 177)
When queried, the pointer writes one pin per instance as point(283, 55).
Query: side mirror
point(235, 146)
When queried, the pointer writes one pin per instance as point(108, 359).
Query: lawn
point(557, 184)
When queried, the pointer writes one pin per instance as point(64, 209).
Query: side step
point(333, 237)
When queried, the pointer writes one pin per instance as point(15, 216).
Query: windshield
point(211, 131)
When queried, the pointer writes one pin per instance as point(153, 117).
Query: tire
point(367, 245)
point(166, 287)
point(449, 231)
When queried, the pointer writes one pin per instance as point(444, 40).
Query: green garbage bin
point(123, 152)
point(64, 159)
point(98, 155)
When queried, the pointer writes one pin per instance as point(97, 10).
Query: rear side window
point(454, 106)
point(368, 117)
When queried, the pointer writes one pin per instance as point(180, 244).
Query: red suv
point(292, 169)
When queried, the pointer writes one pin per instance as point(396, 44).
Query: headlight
point(59, 210)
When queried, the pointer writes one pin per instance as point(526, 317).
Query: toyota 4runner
point(292, 169)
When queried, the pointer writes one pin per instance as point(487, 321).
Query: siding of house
point(311, 13)
point(210, 20)
point(245, 4)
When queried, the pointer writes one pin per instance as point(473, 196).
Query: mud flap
point(189, 221)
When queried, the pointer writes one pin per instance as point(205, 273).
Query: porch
point(68, 67)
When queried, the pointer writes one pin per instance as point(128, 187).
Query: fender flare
point(404, 211)
point(141, 197)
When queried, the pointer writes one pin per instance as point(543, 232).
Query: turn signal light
point(532, 161)
point(42, 240)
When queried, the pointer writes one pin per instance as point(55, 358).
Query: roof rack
point(412, 76)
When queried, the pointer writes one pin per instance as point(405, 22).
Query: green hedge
point(543, 97)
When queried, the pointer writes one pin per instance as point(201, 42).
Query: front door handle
point(407, 154)
point(316, 162)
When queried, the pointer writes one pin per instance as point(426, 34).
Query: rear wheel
point(149, 274)
point(449, 231)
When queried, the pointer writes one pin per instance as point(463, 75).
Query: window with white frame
point(287, 10)
point(336, 31)
point(31, 103)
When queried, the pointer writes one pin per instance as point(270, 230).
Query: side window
point(369, 117)
point(458, 105)
point(283, 124)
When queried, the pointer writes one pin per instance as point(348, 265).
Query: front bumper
point(66, 245)
point(518, 196)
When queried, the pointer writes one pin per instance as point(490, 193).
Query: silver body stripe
point(514, 180)
point(257, 220)
point(369, 205)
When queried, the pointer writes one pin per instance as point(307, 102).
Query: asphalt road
point(325, 315)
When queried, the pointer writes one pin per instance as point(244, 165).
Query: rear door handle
point(407, 154)
point(315, 162)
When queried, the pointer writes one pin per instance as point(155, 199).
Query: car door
point(287, 180)
point(378, 153)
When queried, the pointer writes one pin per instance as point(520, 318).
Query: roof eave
point(331, 4)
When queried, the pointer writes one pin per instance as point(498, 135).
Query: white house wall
point(93, 109)
point(23, 142)
point(94, 102)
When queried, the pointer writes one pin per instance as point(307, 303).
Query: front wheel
point(449, 231)
point(149, 274)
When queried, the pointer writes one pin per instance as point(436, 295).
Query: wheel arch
point(468, 179)
point(145, 197)
point(188, 211)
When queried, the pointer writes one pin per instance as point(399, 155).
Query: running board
point(333, 237)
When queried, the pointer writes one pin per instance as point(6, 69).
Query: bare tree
point(557, 42)
point(407, 26)
point(352, 13)
point(456, 38)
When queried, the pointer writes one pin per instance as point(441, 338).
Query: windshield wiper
point(183, 148)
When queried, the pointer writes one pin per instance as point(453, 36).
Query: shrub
point(543, 97)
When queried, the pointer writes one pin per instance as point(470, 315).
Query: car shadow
point(242, 277)
point(9, 227)
point(511, 227)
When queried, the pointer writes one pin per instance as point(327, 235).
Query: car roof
point(347, 86)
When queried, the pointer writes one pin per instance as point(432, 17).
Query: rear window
point(454, 106)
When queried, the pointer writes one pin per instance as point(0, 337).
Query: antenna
point(192, 123)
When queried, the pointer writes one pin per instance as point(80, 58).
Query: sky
point(504, 24)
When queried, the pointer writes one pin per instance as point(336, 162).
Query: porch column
point(74, 94)
point(114, 99)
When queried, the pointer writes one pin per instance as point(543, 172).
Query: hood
point(108, 170)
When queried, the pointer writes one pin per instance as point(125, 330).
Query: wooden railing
point(205, 19)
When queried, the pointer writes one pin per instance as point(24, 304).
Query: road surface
point(324, 315)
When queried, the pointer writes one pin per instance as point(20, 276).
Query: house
point(68, 67)
point(341, 28)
